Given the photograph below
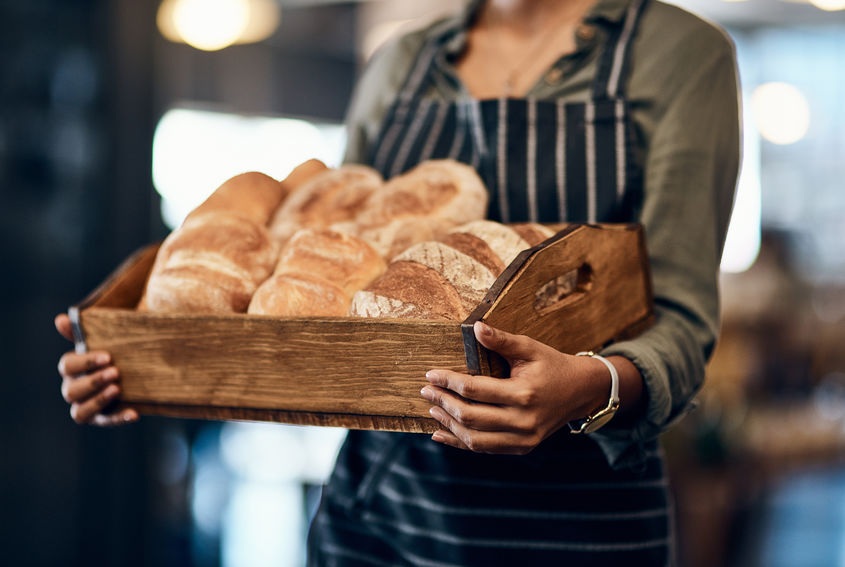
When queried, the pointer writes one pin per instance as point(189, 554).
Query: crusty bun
point(253, 195)
point(293, 294)
point(316, 261)
point(329, 196)
point(212, 263)
point(422, 204)
point(302, 173)
point(449, 278)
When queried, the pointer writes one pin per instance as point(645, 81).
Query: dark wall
point(82, 84)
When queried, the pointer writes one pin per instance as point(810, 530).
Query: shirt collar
point(612, 11)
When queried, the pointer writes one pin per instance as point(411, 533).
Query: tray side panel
point(331, 366)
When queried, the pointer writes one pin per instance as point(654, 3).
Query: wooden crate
point(353, 372)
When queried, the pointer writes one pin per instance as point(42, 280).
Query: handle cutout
point(563, 290)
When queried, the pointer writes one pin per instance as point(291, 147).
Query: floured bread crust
point(330, 196)
point(211, 264)
point(315, 260)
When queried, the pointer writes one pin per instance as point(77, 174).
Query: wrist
point(605, 403)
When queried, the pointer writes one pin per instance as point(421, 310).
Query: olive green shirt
point(685, 106)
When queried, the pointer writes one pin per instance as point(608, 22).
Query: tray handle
point(593, 275)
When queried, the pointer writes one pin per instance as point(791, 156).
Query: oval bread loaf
point(212, 263)
point(317, 273)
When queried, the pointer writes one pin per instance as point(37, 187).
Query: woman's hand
point(546, 390)
point(89, 383)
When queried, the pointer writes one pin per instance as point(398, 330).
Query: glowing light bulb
point(210, 24)
point(781, 112)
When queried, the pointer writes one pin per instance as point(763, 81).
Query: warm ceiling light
point(211, 25)
point(829, 5)
point(264, 18)
point(781, 112)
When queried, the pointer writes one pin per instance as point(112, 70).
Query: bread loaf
point(420, 205)
point(329, 196)
point(213, 263)
point(317, 273)
point(446, 279)
point(252, 195)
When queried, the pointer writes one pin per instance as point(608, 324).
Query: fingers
point(84, 412)
point(514, 348)
point(63, 326)
point(89, 384)
point(477, 388)
point(72, 364)
point(461, 437)
point(483, 417)
point(81, 388)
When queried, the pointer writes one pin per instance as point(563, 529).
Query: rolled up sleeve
point(691, 168)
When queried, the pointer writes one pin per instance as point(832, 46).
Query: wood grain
point(325, 365)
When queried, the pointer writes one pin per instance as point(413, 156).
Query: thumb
point(62, 322)
point(512, 347)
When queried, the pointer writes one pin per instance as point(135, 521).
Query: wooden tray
point(353, 372)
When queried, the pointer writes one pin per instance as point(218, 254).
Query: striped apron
point(402, 499)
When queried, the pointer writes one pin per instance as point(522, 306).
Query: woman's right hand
point(89, 383)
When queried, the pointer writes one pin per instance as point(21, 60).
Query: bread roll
point(422, 204)
point(317, 273)
point(292, 294)
point(330, 196)
point(409, 290)
point(212, 263)
point(252, 195)
point(302, 173)
point(446, 279)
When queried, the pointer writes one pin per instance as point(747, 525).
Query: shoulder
point(676, 51)
point(394, 58)
point(678, 41)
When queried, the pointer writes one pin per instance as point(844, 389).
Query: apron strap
point(610, 80)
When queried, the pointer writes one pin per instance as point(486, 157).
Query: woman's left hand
point(546, 390)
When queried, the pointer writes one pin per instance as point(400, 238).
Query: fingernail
point(110, 373)
point(427, 393)
point(437, 413)
point(483, 329)
point(438, 436)
point(102, 358)
point(434, 377)
point(111, 391)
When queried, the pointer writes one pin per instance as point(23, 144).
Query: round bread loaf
point(329, 196)
point(446, 279)
point(422, 204)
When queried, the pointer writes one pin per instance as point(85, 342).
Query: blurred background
point(118, 116)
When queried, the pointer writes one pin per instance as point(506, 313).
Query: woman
point(578, 110)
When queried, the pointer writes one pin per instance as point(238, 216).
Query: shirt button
point(585, 32)
point(554, 75)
